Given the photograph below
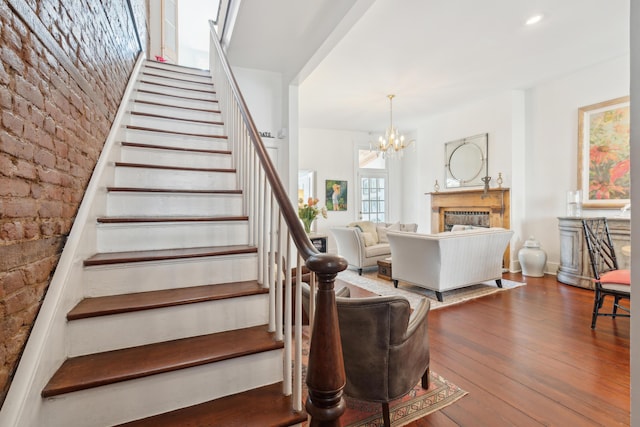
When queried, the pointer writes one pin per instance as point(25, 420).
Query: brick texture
point(63, 70)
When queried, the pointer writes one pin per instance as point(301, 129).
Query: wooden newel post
point(325, 372)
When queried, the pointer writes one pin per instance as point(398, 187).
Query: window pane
point(368, 159)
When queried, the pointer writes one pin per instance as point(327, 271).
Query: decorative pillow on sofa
point(368, 239)
point(412, 227)
point(366, 227)
point(382, 231)
point(459, 227)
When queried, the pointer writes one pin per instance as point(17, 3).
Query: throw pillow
point(368, 239)
point(367, 227)
point(412, 227)
point(382, 231)
point(459, 227)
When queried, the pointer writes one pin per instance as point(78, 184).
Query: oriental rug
point(372, 283)
point(415, 405)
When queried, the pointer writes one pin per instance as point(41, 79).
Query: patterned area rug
point(416, 404)
point(372, 283)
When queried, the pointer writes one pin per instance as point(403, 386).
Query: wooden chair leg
point(385, 414)
point(499, 282)
point(615, 306)
point(425, 379)
point(596, 305)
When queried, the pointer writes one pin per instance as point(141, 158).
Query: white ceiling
point(433, 54)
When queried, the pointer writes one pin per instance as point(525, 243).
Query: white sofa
point(448, 260)
point(364, 243)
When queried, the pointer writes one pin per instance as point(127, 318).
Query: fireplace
point(476, 218)
point(471, 207)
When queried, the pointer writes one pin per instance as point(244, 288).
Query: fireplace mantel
point(495, 202)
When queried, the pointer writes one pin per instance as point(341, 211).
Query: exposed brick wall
point(63, 70)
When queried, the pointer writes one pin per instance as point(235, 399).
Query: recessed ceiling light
point(534, 19)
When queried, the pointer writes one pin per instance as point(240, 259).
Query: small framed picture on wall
point(336, 193)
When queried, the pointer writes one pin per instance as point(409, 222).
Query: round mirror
point(465, 163)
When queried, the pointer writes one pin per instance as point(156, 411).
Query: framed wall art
point(336, 193)
point(603, 154)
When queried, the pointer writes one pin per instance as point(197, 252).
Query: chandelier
point(392, 143)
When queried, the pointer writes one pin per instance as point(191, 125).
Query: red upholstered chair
point(608, 279)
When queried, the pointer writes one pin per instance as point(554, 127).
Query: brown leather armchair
point(385, 346)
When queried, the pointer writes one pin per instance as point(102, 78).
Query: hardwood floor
point(528, 357)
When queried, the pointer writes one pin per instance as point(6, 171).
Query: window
point(372, 180)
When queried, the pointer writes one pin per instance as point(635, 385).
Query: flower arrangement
point(308, 212)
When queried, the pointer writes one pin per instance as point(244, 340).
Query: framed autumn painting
point(604, 163)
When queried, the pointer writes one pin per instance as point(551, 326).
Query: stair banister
point(325, 372)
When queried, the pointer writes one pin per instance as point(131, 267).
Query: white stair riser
point(182, 83)
point(125, 330)
point(148, 396)
point(173, 140)
point(157, 275)
point(171, 72)
point(154, 236)
point(177, 158)
point(177, 92)
point(148, 204)
point(178, 102)
point(181, 113)
point(174, 179)
point(176, 125)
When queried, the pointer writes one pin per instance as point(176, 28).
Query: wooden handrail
point(325, 371)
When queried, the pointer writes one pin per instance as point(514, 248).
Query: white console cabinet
point(575, 267)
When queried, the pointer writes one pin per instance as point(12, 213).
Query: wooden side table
point(384, 268)
point(319, 241)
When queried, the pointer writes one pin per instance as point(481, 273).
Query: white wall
point(262, 91)
point(265, 95)
point(331, 154)
point(493, 116)
point(552, 152)
point(635, 212)
point(532, 140)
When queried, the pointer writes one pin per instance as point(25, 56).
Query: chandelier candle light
point(392, 143)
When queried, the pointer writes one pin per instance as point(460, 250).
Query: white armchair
point(364, 243)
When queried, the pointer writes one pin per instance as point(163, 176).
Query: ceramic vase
point(532, 258)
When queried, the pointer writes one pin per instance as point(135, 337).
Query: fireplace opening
point(466, 217)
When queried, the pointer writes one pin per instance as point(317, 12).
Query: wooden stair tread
point(166, 254)
point(174, 132)
point(94, 370)
point(153, 92)
point(171, 190)
point(206, 91)
point(121, 220)
point(164, 147)
point(163, 117)
point(146, 73)
point(126, 303)
point(161, 104)
point(264, 406)
point(200, 72)
point(182, 168)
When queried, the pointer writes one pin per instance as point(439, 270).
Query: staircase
point(172, 327)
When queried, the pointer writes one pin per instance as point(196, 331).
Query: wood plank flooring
point(528, 357)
